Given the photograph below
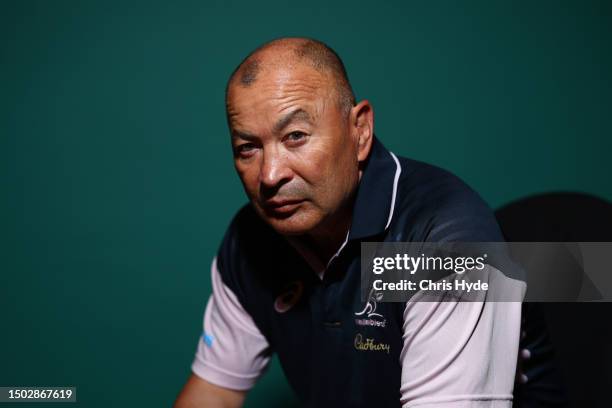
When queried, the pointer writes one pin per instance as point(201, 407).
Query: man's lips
point(282, 206)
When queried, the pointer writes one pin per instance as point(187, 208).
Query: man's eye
point(245, 149)
point(296, 136)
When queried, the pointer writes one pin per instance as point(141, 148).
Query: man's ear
point(362, 125)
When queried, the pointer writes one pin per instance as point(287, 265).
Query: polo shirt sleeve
point(460, 354)
point(231, 353)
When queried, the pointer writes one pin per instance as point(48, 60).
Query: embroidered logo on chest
point(368, 315)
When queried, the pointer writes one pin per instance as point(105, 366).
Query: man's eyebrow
point(236, 134)
point(298, 114)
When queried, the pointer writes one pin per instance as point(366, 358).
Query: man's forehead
point(240, 129)
point(279, 93)
point(273, 118)
point(278, 78)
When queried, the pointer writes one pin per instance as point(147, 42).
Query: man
point(287, 276)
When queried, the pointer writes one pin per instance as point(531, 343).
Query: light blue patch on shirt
point(208, 339)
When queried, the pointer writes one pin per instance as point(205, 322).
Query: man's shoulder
point(432, 185)
point(248, 250)
point(245, 222)
point(441, 206)
point(245, 234)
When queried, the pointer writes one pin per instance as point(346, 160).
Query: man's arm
point(199, 393)
point(459, 353)
point(231, 354)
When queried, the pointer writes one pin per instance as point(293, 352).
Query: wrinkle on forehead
point(280, 92)
point(286, 79)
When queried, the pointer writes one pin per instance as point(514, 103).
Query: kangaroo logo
point(370, 307)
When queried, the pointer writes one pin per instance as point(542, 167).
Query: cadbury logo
point(370, 345)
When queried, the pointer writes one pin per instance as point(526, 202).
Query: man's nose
point(275, 170)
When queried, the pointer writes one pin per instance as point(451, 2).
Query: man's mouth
point(283, 206)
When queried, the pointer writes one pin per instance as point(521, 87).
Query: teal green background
point(115, 163)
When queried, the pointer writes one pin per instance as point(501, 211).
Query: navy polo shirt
point(331, 352)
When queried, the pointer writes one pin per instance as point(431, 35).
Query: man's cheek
point(252, 193)
point(249, 180)
point(315, 169)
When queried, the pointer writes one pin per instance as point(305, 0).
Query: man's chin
point(291, 225)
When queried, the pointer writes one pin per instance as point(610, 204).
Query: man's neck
point(318, 247)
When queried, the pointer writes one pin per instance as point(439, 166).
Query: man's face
point(293, 149)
